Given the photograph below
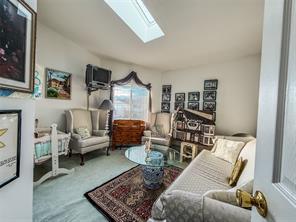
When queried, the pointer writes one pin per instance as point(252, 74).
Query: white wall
point(237, 95)
point(16, 198)
point(55, 51)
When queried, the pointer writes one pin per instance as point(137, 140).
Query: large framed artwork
point(17, 45)
point(10, 145)
point(58, 84)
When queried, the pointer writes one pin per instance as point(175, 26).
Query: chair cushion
point(237, 169)
point(82, 132)
point(93, 140)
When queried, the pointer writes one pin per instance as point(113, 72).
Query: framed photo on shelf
point(179, 97)
point(166, 97)
point(211, 84)
point(17, 45)
point(165, 107)
point(209, 95)
point(58, 84)
point(193, 96)
point(179, 105)
point(209, 106)
point(166, 89)
point(10, 145)
point(193, 105)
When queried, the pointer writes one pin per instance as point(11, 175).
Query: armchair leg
point(107, 151)
point(70, 153)
point(81, 160)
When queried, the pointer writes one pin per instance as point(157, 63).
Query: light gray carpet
point(61, 199)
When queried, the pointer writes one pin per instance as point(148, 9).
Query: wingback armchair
point(159, 129)
point(94, 122)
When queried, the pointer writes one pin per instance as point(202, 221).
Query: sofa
point(94, 121)
point(159, 129)
point(202, 194)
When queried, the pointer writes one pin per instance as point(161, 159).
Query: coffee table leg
point(153, 177)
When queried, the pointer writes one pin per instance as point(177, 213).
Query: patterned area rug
point(125, 198)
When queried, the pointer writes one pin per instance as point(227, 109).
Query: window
point(131, 102)
point(136, 15)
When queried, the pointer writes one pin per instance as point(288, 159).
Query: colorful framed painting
point(10, 145)
point(17, 45)
point(58, 84)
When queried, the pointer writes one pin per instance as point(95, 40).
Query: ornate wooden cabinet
point(127, 132)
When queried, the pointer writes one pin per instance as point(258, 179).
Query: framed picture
point(193, 105)
point(209, 95)
point(17, 45)
point(165, 107)
point(166, 89)
point(179, 97)
point(166, 97)
point(179, 105)
point(209, 106)
point(10, 145)
point(211, 84)
point(193, 96)
point(58, 84)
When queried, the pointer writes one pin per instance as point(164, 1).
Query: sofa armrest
point(179, 205)
point(215, 210)
point(147, 133)
point(99, 132)
point(75, 136)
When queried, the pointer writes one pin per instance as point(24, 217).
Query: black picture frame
point(209, 106)
point(166, 89)
point(165, 107)
point(210, 95)
point(211, 84)
point(19, 55)
point(179, 105)
point(166, 97)
point(15, 160)
point(193, 96)
point(179, 97)
point(193, 106)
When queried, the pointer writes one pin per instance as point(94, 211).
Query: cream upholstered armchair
point(159, 128)
point(93, 121)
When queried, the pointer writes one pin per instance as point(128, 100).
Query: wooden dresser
point(127, 132)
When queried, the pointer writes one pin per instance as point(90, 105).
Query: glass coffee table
point(153, 162)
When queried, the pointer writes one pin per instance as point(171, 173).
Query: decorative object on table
point(127, 132)
point(166, 97)
point(209, 95)
point(58, 84)
point(17, 45)
point(166, 89)
point(193, 96)
point(209, 106)
point(148, 145)
point(108, 106)
point(165, 107)
point(211, 84)
point(193, 105)
point(51, 143)
point(179, 97)
point(179, 105)
point(10, 145)
point(136, 196)
point(198, 127)
point(188, 150)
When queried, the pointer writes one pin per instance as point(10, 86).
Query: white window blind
point(130, 102)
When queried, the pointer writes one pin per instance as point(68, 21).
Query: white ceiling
point(196, 31)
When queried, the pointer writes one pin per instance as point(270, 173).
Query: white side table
point(188, 150)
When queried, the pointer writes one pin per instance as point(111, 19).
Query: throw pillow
point(83, 132)
point(228, 150)
point(236, 172)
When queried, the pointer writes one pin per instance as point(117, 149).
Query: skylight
point(136, 15)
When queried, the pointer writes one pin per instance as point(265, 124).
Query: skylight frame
point(137, 17)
